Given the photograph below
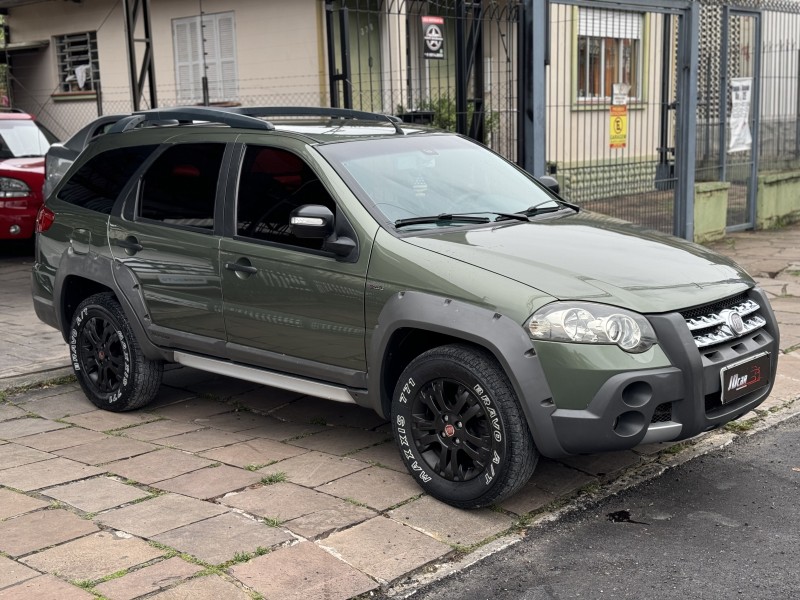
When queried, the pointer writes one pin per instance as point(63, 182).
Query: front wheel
point(460, 429)
point(108, 362)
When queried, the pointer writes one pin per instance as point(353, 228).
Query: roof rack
point(189, 114)
point(244, 117)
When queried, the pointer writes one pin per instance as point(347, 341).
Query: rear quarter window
point(99, 182)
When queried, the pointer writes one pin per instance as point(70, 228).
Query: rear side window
point(98, 183)
point(180, 186)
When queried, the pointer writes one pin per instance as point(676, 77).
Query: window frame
point(638, 94)
point(190, 90)
point(68, 56)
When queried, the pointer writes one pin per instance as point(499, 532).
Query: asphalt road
point(726, 525)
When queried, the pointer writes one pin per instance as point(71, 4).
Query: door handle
point(131, 245)
point(249, 269)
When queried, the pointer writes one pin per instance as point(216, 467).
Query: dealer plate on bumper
point(744, 377)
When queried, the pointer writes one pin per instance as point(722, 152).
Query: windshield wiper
point(442, 218)
point(540, 208)
point(471, 217)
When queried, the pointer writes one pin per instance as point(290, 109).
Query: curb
point(35, 378)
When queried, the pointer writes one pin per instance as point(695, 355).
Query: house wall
point(279, 49)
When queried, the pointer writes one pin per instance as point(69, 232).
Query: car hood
point(595, 258)
point(26, 165)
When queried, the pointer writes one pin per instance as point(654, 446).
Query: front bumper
point(667, 403)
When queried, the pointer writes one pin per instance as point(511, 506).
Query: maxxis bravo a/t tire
point(106, 358)
point(460, 429)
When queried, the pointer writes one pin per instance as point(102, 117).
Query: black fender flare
point(500, 335)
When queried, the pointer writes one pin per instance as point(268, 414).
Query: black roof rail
point(310, 111)
point(244, 117)
point(188, 114)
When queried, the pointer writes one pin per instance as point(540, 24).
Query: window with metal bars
point(609, 52)
point(78, 63)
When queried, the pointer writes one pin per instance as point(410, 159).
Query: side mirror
point(551, 183)
point(314, 221)
point(311, 221)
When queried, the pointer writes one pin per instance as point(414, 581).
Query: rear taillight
point(44, 219)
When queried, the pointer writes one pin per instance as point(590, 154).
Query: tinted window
point(179, 188)
point(272, 183)
point(98, 183)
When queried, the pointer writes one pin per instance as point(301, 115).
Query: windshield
point(429, 175)
point(20, 138)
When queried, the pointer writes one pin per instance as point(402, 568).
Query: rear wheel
point(107, 359)
point(460, 429)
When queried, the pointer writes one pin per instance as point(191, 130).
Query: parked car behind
point(23, 144)
point(348, 256)
point(60, 156)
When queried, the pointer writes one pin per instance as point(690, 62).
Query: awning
point(24, 46)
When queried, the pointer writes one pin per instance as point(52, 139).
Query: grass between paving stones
point(255, 467)
point(39, 385)
point(278, 477)
point(272, 521)
point(355, 502)
point(318, 421)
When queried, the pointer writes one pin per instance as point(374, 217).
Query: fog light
point(14, 230)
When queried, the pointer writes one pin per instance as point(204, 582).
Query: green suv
point(348, 256)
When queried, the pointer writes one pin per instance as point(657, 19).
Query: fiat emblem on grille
point(733, 320)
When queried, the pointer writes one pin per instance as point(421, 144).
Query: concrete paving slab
point(328, 412)
point(234, 421)
point(103, 420)
point(37, 530)
point(61, 438)
point(302, 572)
point(528, 499)
point(210, 587)
point(96, 494)
point(203, 439)
point(159, 429)
point(187, 411)
point(94, 556)
point(106, 450)
point(15, 455)
point(385, 549)
point(281, 501)
point(451, 525)
point(341, 440)
point(59, 406)
point(9, 411)
point(45, 587)
point(315, 468)
point(44, 391)
point(146, 580)
point(324, 521)
point(256, 452)
point(157, 515)
point(157, 466)
point(559, 479)
point(264, 399)
point(384, 455)
point(17, 428)
point(13, 503)
point(219, 539)
point(275, 429)
point(376, 487)
point(601, 465)
point(46, 473)
point(12, 572)
point(210, 482)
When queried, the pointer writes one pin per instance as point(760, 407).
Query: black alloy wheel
point(459, 427)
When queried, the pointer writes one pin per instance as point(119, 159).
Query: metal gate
point(618, 96)
point(729, 123)
point(449, 63)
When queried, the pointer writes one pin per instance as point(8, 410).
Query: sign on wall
point(741, 90)
point(618, 116)
point(433, 37)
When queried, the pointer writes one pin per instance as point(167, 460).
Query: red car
point(23, 144)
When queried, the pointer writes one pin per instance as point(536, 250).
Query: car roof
point(15, 115)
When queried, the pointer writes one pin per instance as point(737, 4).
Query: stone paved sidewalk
point(226, 489)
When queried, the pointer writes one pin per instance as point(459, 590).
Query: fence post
point(533, 98)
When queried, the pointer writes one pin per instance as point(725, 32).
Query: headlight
point(587, 323)
point(13, 188)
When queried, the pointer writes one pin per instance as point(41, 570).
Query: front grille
point(724, 321)
point(662, 413)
